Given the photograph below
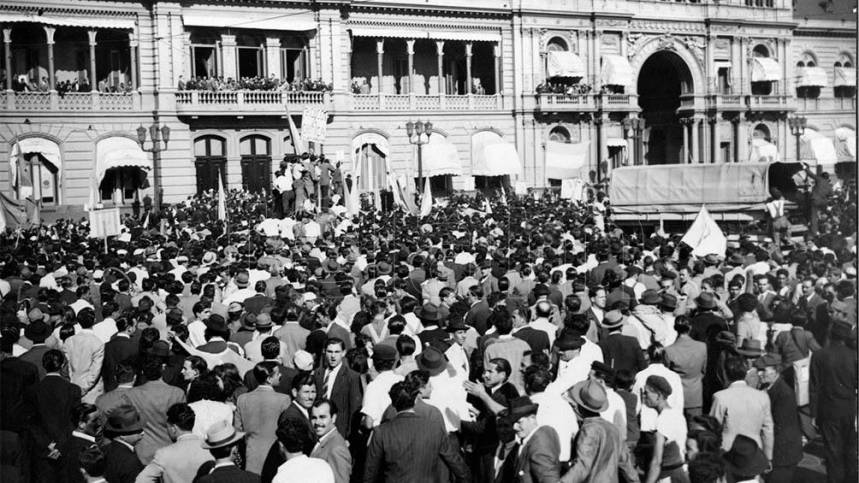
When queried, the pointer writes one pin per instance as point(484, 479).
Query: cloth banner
point(314, 123)
point(104, 223)
point(564, 160)
point(14, 213)
point(572, 189)
point(705, 236)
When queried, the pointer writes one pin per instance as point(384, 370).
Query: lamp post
point(797, 128)
point(419, 134)
point(156, 134)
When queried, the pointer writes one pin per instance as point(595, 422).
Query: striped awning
point(417, 32)
point(68, 20)
point(811, 77)
point(765, 69)
point(616, 71)
point(564, 64)
point(294, 21)
point(845, 77)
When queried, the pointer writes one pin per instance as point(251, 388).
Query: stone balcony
point(196, 103)
point(618, 102)
point(69, 102)
point(727, 102)
point(826, 104)
point(550, 102)
point(772, 102)
point(421, 102)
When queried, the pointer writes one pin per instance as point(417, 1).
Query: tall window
point(293, 64)
point(42, 175)
point(250, 61)
point(256, 163)
point(845, 78)
point(210, 162)
point(761, 88)
point(373, 168)
point(204, 60)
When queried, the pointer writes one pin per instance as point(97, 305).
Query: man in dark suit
point(85, 417)
point(339, 384)
point(119, 349)
point(125, 429)
point(15, 377)
point(832, 395)
point(222, 441)
point(303, 397)
point(255, 303)
point(406, 449)
point(787, 435)
point(538, 457)
point(431, 319)
point(48, 409)
point(37, 332)
point(490, 398)
point(479, 311)
point(620, 351)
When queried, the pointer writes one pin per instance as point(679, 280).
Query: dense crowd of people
point(255, 83)
point(496, 340)
point(578, 88)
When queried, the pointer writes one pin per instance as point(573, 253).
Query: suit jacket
point(152, 401)
point(600, 454)
point(478, 315)
point(118, 349)
point(112, 399)
point(538, 459)
point(346, 393)
point(787, 435)
point(623, 352)
point(69, 461)
point(224, 474)
point(406, 449)
point(274, 458)
point(287, 374)
point(15, 377)
point(482, 431)
point(48, 405)
point(536, 338)
point(744, 410)
point(688, 358)
point(177, 463)
point(34, 356)
point(333, 449)
point(833, 381)
point(120, 464)
point(295, 338)
point(256, 303)
point(85, 352)
point(255, 413)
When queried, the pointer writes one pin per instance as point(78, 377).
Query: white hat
point(309, 296)
point(98, 274)
point(303, 360)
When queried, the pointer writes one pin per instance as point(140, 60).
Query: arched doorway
point(663, 78)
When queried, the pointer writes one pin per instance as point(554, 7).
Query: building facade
point(111, 101)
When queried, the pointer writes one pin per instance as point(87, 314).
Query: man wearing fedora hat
point(620, 351)
point(787, 435)
point(745, 461)
point(599, 454)
point(222, 441)
point(539, 445)
point(125, 430)
point(742, 409)
point(430, 317)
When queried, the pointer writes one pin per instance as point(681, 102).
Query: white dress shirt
point(304, 469)
point(675, 399)
point(553, 411)
point(376, 398)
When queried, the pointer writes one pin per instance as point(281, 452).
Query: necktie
point(325, 384)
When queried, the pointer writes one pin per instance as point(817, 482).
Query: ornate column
point(228, 47)
point(92, 43)
point(186, 54)
point(49, 36)
point(496, 67)
point(717, 139)
point(132, 49)
point(439, 45)
point(684, 125)
point(468, 46)
point(272, 55)
point(380, 53)
point(7, 47)
point(596, 60)
point(410, 50)
point(695, 154)
point(745, 79)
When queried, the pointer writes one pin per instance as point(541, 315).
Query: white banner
point(104, 223)
point(314, 123)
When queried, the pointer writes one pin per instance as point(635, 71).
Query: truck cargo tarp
point(683, 188)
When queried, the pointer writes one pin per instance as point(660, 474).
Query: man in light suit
point(152, 400)
point(538, 456)
point(293, 335)
point(743, 410)
point(331, 446)
point(340, 384)
point(688, 357)
point(177, 463)
point(255, 412)
point(85, 351)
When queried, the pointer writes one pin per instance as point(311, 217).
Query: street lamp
point(416, 132)
point(156, 134)
point(797, 128)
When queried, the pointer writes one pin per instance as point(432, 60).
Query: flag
point(351, 199)
point(487, 206)
point(34, 212)
point(705, 236)
point(503, 196)
point(426, 199)
point(222, 200)
point(409, 196)
point(297, 142)
point(13, 212)
point(25, 183)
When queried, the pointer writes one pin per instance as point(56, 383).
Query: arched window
point(557, 44)
point(36, 169)
point(560, 134)
point(210, 161)
point(762, 131)
point(761, 50)
point(369, 161)
point(255, 151)
point(762, 80)
point(844, 86)
point(800, 64)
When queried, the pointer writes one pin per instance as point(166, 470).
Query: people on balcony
point(257, 83)
point(570, 89)
point(24, 84)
